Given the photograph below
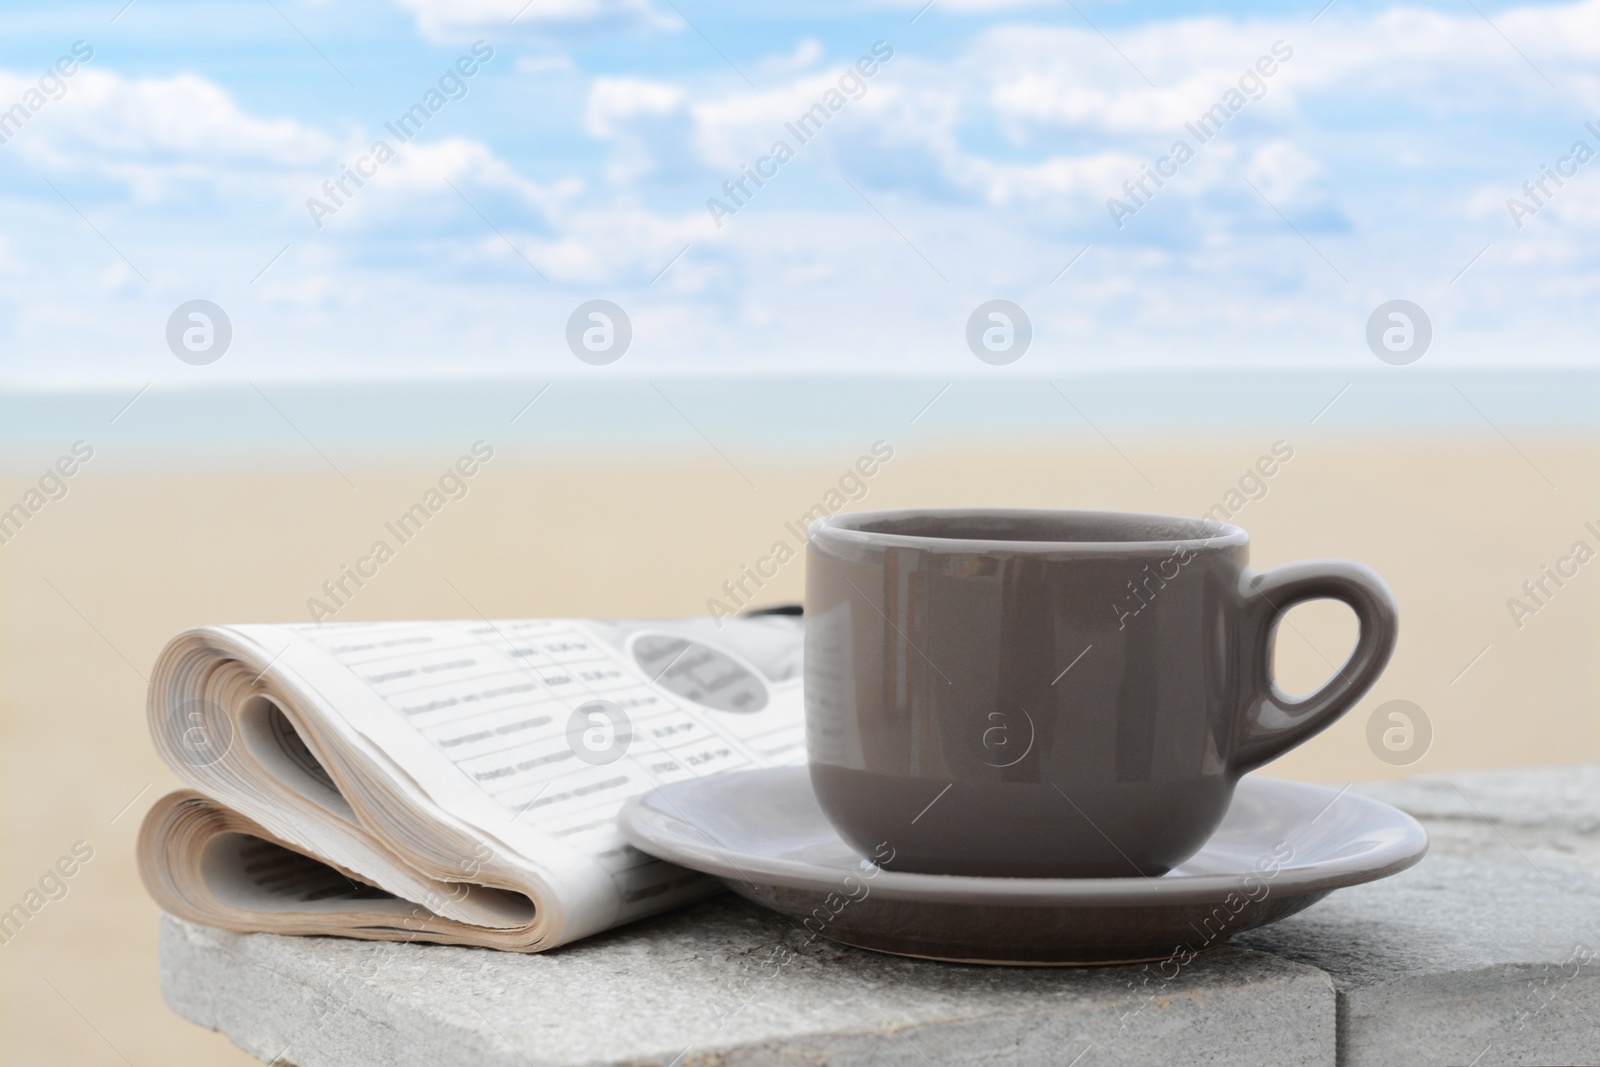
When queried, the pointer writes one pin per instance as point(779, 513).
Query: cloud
point(808, 52)
point(550, 64)
point(618, 244)
point(1006, 184)
point(159, 136)
point(1067, 77)
point(646, 122)
point(422, 190)
point(103, 113)
point(166, 139)
point(1028, 87)
point(967, 6)
point(1283, 172)
point(736, 127)
point(618, 99)
point(1388, 141)
point(447, 21)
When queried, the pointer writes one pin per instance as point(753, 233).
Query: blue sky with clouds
point(1373, 162)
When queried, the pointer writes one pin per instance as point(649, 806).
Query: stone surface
point(1487, 952)
point(727, 983)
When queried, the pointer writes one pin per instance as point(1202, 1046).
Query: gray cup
point(1057, 694)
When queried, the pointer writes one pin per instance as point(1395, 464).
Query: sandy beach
point(95, 582)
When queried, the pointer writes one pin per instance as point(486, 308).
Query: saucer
point(1282, 847)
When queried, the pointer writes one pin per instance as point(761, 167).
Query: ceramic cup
point(1054, 693)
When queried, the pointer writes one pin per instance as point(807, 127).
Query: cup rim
point(848, 527)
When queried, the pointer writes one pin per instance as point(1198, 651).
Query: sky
point(957, 153)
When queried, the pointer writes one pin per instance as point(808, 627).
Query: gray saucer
point(1281, 847)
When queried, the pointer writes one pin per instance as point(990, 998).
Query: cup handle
point(1272, 722)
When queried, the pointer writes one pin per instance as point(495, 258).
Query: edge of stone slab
point(1517, 1015)
point(229, 1000)
point(1554, 796)
point(228, 996)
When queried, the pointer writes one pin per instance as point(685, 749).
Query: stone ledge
point(705, 987)
point(1486, 952)
point(1469, 955)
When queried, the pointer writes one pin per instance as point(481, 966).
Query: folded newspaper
point(454, 782)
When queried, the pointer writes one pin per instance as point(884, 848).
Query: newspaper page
point(534, 732)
